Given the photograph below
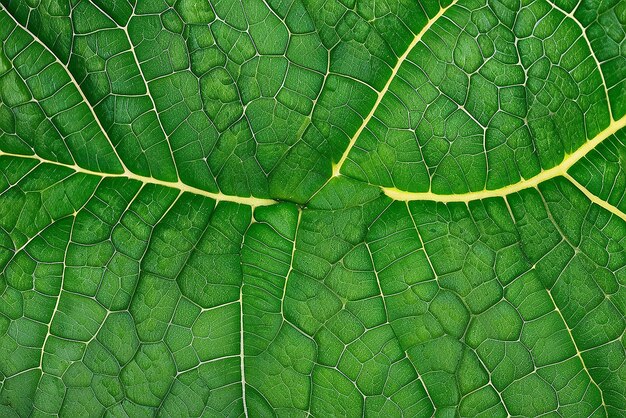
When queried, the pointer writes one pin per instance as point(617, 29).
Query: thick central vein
point(556, 171)
point(218, 196)
point(381, 94)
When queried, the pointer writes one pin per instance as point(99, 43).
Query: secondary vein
point(73, 81)
point(381, 94)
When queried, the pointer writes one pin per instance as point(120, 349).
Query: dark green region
point(120, 297)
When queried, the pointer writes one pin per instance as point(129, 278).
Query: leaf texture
point(312, 208)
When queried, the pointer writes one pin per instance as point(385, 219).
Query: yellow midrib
point(250, 201)
point(392, 192)
point(556, 171)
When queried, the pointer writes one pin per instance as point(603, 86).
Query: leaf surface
point(320, 207)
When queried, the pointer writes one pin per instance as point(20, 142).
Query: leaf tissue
point(328, 208)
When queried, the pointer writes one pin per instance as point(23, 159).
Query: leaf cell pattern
point(312, 208)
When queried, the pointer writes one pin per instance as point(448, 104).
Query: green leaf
point(312, 208)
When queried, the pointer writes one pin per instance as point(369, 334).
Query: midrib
point(556, 171)
point(250, 201)
point(392, 192)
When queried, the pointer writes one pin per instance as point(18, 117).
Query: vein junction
point(392, 192)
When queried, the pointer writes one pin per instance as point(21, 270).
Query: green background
point(173, 241)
